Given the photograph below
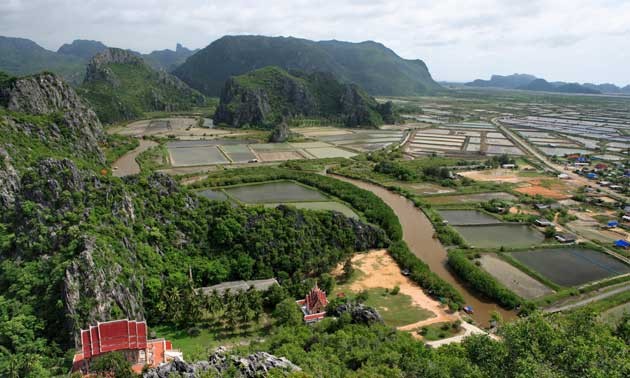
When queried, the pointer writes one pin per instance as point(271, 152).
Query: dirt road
point(588, 300)
point(126, 165)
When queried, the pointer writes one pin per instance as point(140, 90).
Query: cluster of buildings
point(128, 337)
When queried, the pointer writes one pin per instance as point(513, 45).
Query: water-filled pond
point(272, 192)
point(467, 217)
point(498, 235)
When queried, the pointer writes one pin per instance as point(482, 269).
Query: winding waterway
point(418, 234)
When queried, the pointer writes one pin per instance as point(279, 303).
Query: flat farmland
point(467, 217)
point(329, 152)
point(470, 198)
point(275, 192)
point(238, 153)
point(500, 235)
point(279, 155)
point(512, 278)
point(571, 266)
point(192, 156)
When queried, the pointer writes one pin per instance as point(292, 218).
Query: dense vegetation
point(557, 346)
point(120, 86)
point(368, 64)
point(262, 98)
point(482, 281)
point(372, 207)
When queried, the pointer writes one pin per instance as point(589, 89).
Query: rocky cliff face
point(97, 68)
point(220, 363)
point(9, 181)
point(281, 133)
point(264, 97)
point(47, 94)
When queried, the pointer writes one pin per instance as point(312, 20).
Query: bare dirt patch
point(379, 270)
point(545, 192)
point(515, 280)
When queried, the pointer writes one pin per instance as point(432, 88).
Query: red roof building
point(314, 305)
point(126, 336)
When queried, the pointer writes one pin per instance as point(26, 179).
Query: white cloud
point(573, 40)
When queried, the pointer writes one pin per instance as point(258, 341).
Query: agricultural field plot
point(280, 156)
point(194, 156)
point(512, 278)
point(359, 140)
point(215, 195)
point(470, 198)
point(461, 139)
point(467, 217)
point(178, 127)
point(571, 266)
point(325, 205)
point(275, 192)
point(238, 153)
point(500, 235)
point(329, 152)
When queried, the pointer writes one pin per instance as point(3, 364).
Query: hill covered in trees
point(261, 98)
point(370, 65)
point(532, 83)
point(121, 86)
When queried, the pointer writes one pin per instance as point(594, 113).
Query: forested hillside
point(121, 86)
point(264, 97)
point(370, 65)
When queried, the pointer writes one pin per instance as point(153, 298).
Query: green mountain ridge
point(20, 56)
point(262, 98)
point(121, 86)
point(370, 65)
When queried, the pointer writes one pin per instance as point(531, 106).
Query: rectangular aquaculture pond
point(467, 217)
point(470, 198)
point(571, 266)
point(275, 192)
point(500, 235)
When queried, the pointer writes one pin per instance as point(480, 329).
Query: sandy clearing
point(515, 280)
point(545, 192)
point(498, 175)
point(380, 270)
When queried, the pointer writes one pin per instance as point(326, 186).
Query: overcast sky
point(569, 40)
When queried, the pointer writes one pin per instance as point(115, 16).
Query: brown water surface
point(418, 233)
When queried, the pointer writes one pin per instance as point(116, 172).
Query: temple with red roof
point(314, 305)
point(126, 336)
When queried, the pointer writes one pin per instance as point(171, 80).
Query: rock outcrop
point(98, 67)
point(281, 133)
point(121, 86)
point(97, 284)
point(220, 362)
point(9, 181)
point(262, 98)
point(72, 120)
point(359, 313)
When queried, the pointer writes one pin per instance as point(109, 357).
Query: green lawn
point(435, 331)
point(397, 310)
point(197, 347)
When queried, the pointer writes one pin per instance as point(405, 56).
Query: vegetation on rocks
point(262, 98)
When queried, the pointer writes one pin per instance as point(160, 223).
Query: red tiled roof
point(112, 336)
point(316, 300)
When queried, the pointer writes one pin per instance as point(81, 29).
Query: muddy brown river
point(418, 233)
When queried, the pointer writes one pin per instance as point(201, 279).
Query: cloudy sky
point(569, 40)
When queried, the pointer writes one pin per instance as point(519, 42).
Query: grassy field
point(439, 331)
point(397, 310)
point(197, 347)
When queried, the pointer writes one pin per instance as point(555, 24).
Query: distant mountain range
point(20, 56)
point(370, 65)
point(532, 83)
